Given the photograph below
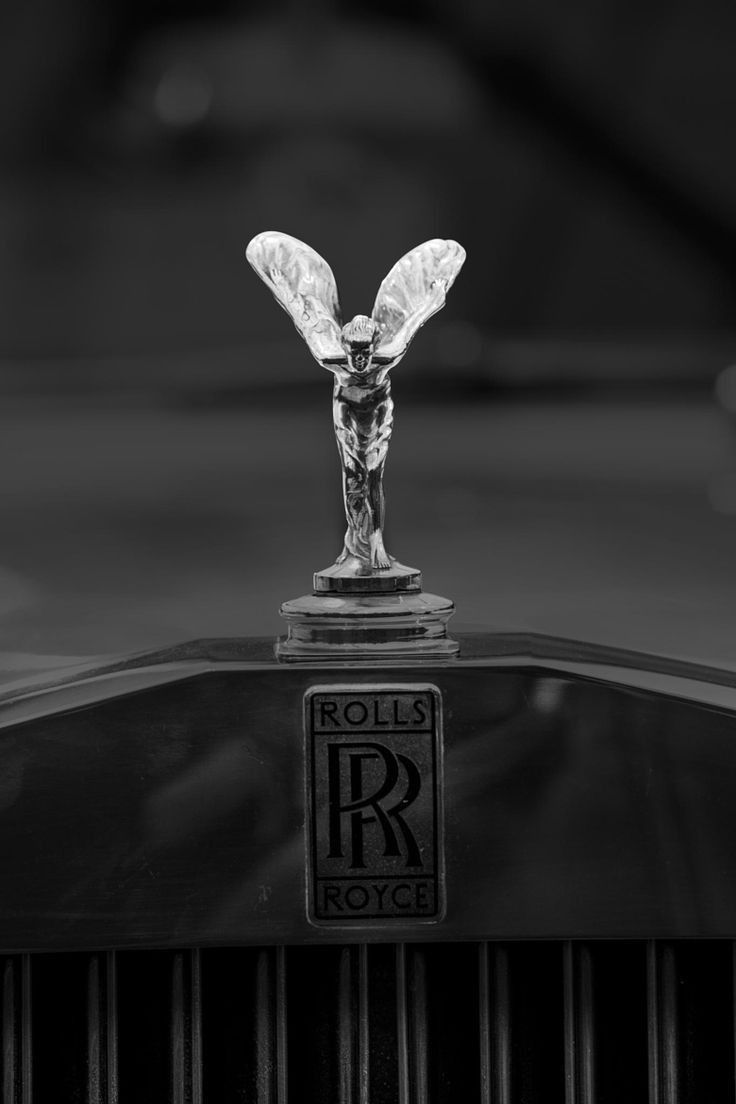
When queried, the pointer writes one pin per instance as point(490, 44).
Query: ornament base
point(364, 626)
point(351, 576)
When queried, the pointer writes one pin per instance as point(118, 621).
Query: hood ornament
point(366, 603)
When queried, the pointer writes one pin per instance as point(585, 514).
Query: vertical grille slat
point(579, 1027)
point(411, 1019)
point(271, 1068)
point(495, 1024)
point(102, 1029)
point(17, 1038)
point(402, 1027)
point(662, 1024)
point(418, 1022)
point(186, 1029)
point(353, 1037)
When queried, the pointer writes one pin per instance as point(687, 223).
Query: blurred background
point(169, 468)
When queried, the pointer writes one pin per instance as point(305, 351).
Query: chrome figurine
point(360, 355)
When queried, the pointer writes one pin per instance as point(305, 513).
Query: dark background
point(560, 460)
point(585, 153)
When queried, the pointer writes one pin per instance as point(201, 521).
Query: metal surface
point(271, 1070)
point(664, 1054)
point(102, 1029)
point(494, 1022)
point(186, 1028)
point(353, 1028)
point(370, 626)
point(411, 1024)
point(398, 1024)
point(174, 815)
point(578, 1024)
point(17, 1076)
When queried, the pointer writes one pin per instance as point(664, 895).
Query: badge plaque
point(374, 804)
point(366, 604)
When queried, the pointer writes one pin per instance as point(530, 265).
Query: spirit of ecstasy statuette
point(366, 604)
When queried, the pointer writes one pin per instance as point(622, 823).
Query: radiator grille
point(381, 1024)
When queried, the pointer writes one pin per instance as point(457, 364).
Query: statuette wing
point(414, 290)
point(304, 285)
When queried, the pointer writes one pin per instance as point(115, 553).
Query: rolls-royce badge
point(374, 801)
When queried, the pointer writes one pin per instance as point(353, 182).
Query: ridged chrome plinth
point(367, 626)
point(350, 576)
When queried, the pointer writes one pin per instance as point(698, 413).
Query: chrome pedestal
point(367, 615)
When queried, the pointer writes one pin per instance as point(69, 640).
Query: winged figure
point(360, 354)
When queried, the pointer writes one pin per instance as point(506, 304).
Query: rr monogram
point(400, 775)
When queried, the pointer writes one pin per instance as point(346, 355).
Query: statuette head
point(359, 340)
